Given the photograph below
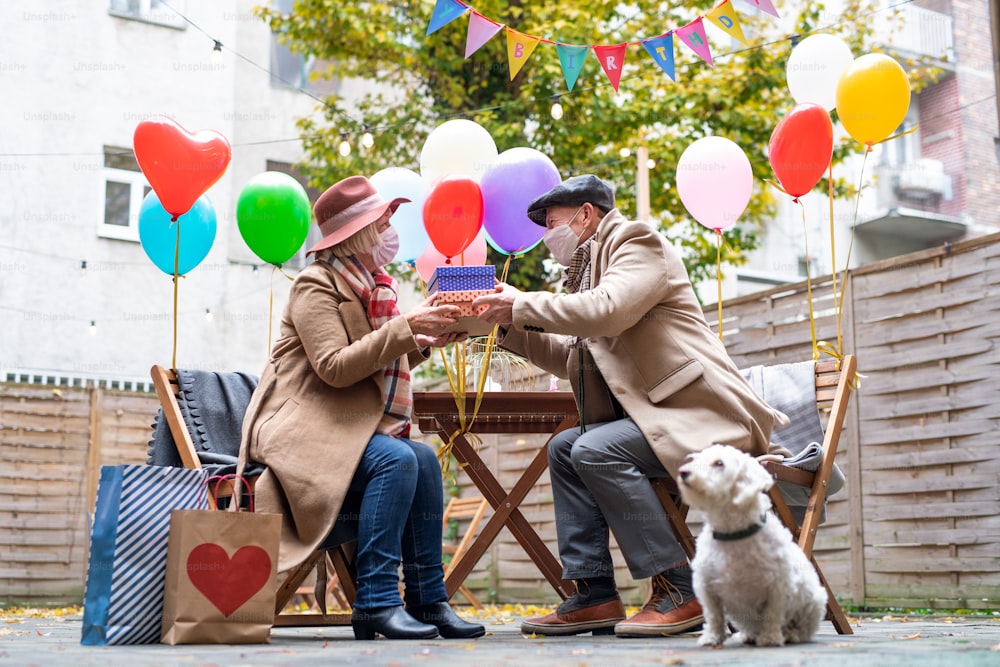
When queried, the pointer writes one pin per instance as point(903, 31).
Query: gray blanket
point(213, 405)
point(791, 389)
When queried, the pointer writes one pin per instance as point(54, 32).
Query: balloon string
point(270, 313)
point(895, 136)
point(850, 248)
point(177, 260)
point(833, 253)
point(718, 274)
point(809, 291)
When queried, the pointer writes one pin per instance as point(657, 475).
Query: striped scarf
point(378, 292)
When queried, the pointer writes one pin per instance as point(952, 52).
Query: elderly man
point(653, 383)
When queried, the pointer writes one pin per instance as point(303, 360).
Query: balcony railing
point(918, 32)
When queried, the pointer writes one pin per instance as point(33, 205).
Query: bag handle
point(231, 478)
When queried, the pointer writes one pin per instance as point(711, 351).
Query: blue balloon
point(158, 234)
point(408, 220)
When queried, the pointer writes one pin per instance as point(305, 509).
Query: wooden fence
point(918, 523)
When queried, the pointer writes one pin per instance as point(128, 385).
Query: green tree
point(421, 81)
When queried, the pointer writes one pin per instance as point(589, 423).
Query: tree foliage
point(420, 81)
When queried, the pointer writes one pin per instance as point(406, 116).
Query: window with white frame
point(124, 189)
point(150, 11)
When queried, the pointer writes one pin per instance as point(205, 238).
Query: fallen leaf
point(913, 636)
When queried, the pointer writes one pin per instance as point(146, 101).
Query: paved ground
point(882, 641)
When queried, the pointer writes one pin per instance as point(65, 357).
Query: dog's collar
point(741, 534)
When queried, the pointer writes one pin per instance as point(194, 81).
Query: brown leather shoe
point(570, 619)
point(668, 612)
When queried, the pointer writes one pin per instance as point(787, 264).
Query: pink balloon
point(714, 181)
point(473, 255)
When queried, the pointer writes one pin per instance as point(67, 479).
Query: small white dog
point(747, 570)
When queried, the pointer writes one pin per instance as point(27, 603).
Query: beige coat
point(318, 403)
point(650, 341)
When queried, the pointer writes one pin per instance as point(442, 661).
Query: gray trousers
point(600, 479)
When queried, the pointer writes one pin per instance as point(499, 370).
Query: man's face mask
point(562, 241)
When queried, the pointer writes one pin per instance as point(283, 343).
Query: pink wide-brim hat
point(349, 206)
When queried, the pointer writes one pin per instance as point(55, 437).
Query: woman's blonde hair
point(362, 241)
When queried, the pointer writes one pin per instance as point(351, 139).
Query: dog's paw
point(744, 638)
point(711, 639)
point(770, 639)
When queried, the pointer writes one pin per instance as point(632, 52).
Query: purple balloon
point(514, 180)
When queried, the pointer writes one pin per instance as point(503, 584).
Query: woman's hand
point(440, 341)
point(431, 320)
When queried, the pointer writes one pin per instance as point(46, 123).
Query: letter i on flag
point(519, 48)
point(481, 30)
point(612, 58)
point(693, 34)
point(724, 16)
point(662, 51)
point(571, 58)
point(445, 11)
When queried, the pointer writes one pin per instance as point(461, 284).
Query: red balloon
point(453, 214)
point(801, 147)
point(179, 165)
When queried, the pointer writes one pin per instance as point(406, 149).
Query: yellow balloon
point(873, 94)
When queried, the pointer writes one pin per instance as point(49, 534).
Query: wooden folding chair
point(167, 390)
point(833, 391)
point(459, 509)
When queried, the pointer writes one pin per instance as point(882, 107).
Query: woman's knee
point(425, 457)
point(396, 455)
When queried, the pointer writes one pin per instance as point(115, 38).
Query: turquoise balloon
point(158, 234)
point(273, 215)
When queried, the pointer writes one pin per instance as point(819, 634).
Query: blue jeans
point(402, 505)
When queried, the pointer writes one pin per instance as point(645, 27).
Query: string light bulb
point(217, 52)
point(208, 315)
point(93, 328)
point(557, 110)
point(345, 145)
point(367, 140)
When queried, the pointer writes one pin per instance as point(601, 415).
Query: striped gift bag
point(123, 601)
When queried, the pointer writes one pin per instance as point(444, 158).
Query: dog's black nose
point(684, 474)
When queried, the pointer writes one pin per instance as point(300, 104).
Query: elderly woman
point(331, 415)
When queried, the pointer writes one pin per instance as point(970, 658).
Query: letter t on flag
point(662, 51)
point(612, 58)
point(445, 11)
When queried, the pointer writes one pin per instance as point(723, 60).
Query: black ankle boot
point(391, 623)
point(446, 620)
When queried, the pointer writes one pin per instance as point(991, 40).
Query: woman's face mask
point(385, 253)
point(562, 241)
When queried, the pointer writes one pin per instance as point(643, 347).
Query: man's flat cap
point(574, 191)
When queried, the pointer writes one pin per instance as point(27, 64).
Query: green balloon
point(273, 216)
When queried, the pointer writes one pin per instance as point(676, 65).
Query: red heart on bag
point(179, 165)
point(228, 582)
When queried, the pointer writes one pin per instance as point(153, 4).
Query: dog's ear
point(754, 481)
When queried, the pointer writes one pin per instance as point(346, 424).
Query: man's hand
point(499, 305)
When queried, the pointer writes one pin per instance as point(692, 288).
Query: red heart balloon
point(801, 147)
point(228, 582)
point(179, 165)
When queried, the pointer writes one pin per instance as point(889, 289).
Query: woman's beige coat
point(318, 403)
point(650, 341)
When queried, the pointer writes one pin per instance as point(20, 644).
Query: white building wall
point(76, 79)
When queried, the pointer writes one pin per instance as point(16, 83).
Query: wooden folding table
point(501, 412)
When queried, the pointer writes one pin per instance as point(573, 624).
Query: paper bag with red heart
point(221, 577)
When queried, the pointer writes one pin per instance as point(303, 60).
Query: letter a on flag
point(571, 58)
point(724, 16)
point(662, 51)
point(612, 58)
point(519, 48)
point(693, 34)
point(445, 11)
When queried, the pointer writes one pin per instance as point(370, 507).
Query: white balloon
point(457, 147)
point(814, 68)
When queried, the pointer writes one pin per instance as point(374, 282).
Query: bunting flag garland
point(611, 57)
point(765, 6)
point(724, 16)
point(661, 49)
point(693, 34)
point(571, 58)
point(519, 48)
point(445, 11)
point(481, 30)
